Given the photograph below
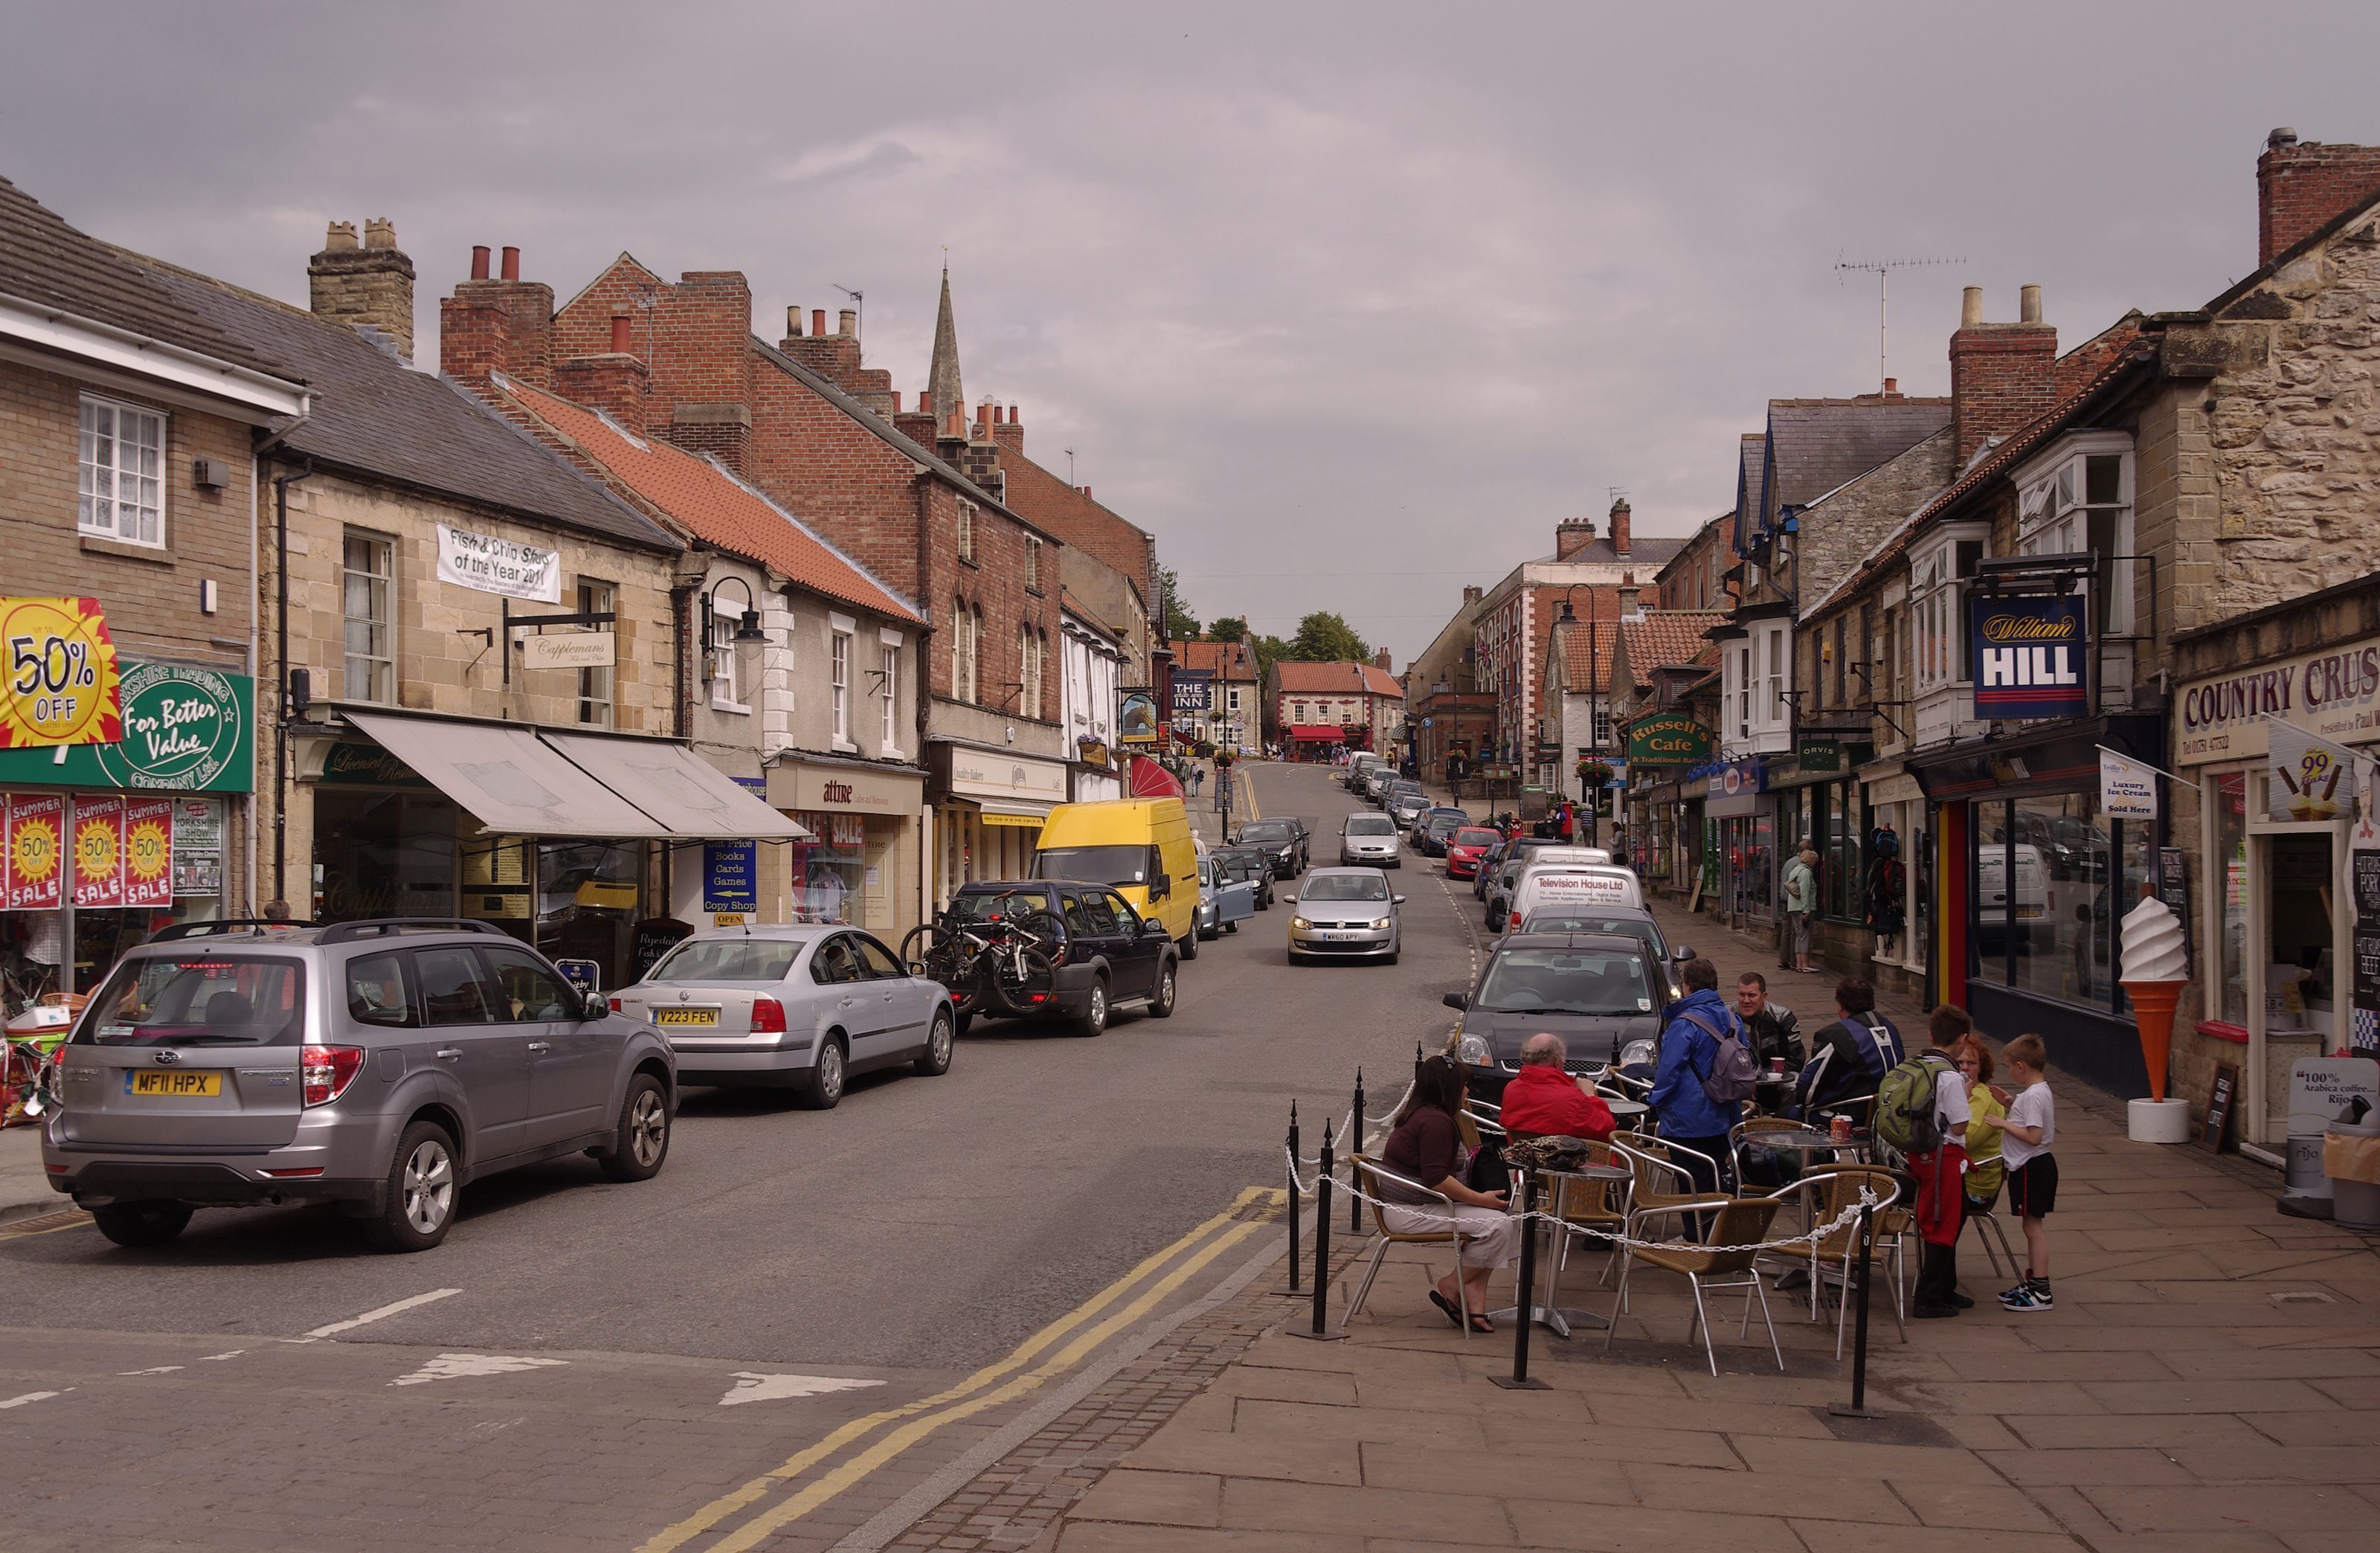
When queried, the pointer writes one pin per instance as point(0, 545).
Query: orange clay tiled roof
point(1586, 651)
point(1223, 659)
point(1666, 636)
point(711, 503)
point(1342, 678)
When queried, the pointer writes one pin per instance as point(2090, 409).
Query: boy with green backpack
point(1921, 1113)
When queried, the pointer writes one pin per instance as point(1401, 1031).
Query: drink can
point(1841, 1131)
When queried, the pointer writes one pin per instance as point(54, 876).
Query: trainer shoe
point(2027, 1297)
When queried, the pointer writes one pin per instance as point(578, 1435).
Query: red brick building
point(1311, 707)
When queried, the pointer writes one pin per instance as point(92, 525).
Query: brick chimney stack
point(1380, 659)
point(1472, 594)
point(615, 381)
point(2301, 186)
point(1572, 535)
point(503, 325)
point(1620, 511)
point(1009, 431)
point(2002, 375)
point(369, 287)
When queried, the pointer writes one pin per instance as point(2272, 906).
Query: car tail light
point(1516, 919)
point(298, 1171)
point(768, 1017)
point(326, 1070)
point(616, 1005)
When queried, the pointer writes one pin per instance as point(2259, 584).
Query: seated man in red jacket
point(1543, 1101)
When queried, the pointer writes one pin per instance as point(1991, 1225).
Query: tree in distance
point(1228, 628)
point(1325, 638)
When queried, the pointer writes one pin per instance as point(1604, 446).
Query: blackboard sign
point(2173, 886)
point(2364, 868)
point(656, 936)
point(2218, 1108)
point(2367, 970)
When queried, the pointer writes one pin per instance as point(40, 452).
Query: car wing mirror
point(1456, 1000)
point(1160, 886)
point(1396, 899)
point(1150, 925)
point(1681, 955)
point(1290, 899)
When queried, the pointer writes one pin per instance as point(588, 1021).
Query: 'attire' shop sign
point(2332, 694)
point(489, 564)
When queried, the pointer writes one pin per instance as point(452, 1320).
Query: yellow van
point(1142, 846)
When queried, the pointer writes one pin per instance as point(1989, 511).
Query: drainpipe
point(281, 484)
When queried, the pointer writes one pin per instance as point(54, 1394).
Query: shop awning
point(507, 779)
point(690, 797)
point(1147, 778)
point(1316, 732)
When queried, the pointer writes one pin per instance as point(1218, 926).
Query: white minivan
point(2001, 918)
point(1571, 887)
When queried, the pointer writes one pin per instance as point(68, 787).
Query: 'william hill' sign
point(2031, 657)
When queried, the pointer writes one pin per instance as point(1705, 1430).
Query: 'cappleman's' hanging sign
point(489, 564)
point(2332, 694)
point(2031, 655)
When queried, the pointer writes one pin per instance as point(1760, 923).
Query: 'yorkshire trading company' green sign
point(186, 729)
point(1668, 738)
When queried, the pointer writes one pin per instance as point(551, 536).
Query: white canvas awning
point(507, 779)
point(689, 796)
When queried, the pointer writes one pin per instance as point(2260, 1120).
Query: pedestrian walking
point(1801, 901)
point(1197, 779)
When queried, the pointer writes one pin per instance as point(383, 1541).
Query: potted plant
point(1594, 772)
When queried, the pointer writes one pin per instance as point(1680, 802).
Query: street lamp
point(1594, 697)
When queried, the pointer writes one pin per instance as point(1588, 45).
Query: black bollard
point(1290, 1289)
point(1859, 1408)
point(1523, 1306)
point(1355, 1146)
point(1321, 1329)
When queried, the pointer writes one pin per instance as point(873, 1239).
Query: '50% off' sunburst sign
point(59, 684)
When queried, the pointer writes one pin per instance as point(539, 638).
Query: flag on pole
point(2127, 788)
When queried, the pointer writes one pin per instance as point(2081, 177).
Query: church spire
point(943, 375)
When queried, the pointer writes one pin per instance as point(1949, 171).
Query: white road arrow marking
point(161, 1370)
point(335, 1327)
point(29, 1398)
point(463, 1366)
point(753, 1387)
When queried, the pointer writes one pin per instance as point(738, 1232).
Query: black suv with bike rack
point(1047, 948)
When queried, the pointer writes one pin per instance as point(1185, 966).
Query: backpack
point(1905, 1117)
point(1733, 1074)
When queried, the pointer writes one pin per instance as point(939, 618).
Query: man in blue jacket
point(1689, 1037)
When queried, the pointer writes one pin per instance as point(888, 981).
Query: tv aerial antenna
point(1882, 269)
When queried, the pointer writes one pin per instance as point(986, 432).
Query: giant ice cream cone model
point(2156, 970)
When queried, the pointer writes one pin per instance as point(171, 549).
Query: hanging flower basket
point(1594, 773)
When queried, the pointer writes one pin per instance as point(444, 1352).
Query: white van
point(2000, 918)
point(1571, 887)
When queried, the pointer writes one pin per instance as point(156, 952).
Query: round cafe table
point(1626, 1112)
point(1544, 1311)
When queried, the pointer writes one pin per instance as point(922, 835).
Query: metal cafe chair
point(1371, 1176)
point(1740, 1222)
point(1835, 1190)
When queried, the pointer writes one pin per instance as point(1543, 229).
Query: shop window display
point(2053, 879)
point(829, 873)
point(2231, 859)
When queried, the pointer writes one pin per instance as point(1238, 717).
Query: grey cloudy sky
point(1350, 303)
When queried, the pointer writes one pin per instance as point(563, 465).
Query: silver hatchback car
point(800, 1007)
point(1370, 841)
point(381, 1065)
point(1344, 914)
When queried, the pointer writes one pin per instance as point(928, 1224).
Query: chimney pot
point(794, 323)
point(1971, 308)
point(479, 262)
point(620, 346)
point(1014, 418)
point(511, 262)
point(850, 320)
point(380, 232)
point(817, 320)
point(924, 401)
point(341, 238)
point(2029, 304)
point(1891, 386)
point(2281, 137)
point(1087, 493)
point(896, 401)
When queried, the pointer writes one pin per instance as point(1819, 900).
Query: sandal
point(1481, 1324)
point(1453, 1315)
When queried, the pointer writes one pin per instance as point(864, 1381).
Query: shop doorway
point(2294, 1003)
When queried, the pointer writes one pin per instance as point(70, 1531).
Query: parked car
point(1545, 884)
point(1518, 854)
point(1225, 899)
point(1251, 865)
point(801, 1007)
point(1598, 991)
point(381, 1065)
point(1105, 958)
point(1490, 862)
point(1467, 847)
point(1358, 766)
point(1633, 921)
point(1377, 778)
point(1344, 914)
point(1142, 848)
point(1405, 804)
point(1369, 840)
point(1283, 840)
point(1434, 827)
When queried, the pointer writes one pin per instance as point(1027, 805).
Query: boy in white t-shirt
point(2030, 1127)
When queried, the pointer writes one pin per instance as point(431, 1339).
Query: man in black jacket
point(1771, 1029)
point(1849, 1056)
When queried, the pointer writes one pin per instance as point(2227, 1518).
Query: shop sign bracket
point(522, 622)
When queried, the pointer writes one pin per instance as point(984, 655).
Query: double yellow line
point(987, 1387)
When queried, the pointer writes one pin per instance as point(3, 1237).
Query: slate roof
point(1751, 455)
point(711, 503)
point(1223, 659)
point(1302, 678)
point(1813, 445)
point(377, 416)
point(44, 261)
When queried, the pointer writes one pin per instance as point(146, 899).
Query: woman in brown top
point(1426, 1147)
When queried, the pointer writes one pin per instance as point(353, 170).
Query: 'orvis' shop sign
point(2332, 694)
point(1668, 738)
point(2031, 656)
point(186, 729)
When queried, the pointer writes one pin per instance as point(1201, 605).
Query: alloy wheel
point(647, 1128)
point(429, 1186)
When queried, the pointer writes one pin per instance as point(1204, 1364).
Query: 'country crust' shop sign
point(2332, 694)
point(60, 684)
point(2031, 656)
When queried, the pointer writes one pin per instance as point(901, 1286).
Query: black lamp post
point(1594, 705)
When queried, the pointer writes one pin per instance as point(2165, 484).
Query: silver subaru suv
point(381, 1065)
